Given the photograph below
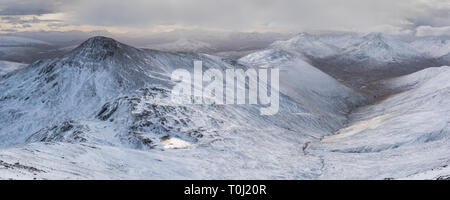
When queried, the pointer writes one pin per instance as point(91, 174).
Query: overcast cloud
point(399, 16)
point(30, 7)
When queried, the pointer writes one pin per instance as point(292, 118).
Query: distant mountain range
point(357, 59)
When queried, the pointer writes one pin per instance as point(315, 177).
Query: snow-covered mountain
point(406, 130)
point(306, 84)
point(7, 67)
point(378, 47)
point(307, 44)
point(111, 96)
point(104, 111)
point(434, 46)
point(185, 45)
point(359, 59)
point(381, 48)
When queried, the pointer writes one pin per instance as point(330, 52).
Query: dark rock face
point(68, 131)
point(150, 116)
point(107, 110)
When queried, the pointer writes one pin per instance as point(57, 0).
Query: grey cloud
point(20, 20)
point(57, 25)
point(30, 7)
point(435, 13)
point(237, 15)
point(9, 30)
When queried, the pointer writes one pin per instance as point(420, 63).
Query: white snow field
point(103, 111)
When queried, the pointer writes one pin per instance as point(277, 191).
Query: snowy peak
point(375, 40)
point(307, 44)
point(183, 45)
point(100, 48)
point(381, 48)
point(100, 42)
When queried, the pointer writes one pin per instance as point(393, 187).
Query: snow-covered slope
point(435, 46)
point(307, 44)
point(405, 134)
point(7, 67)
point(381, 48)
point(307, 85)
point(445, 58)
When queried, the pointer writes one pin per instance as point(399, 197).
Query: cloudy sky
point(421, 17)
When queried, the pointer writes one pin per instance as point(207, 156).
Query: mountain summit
point(100, 41)
point(100, 48)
